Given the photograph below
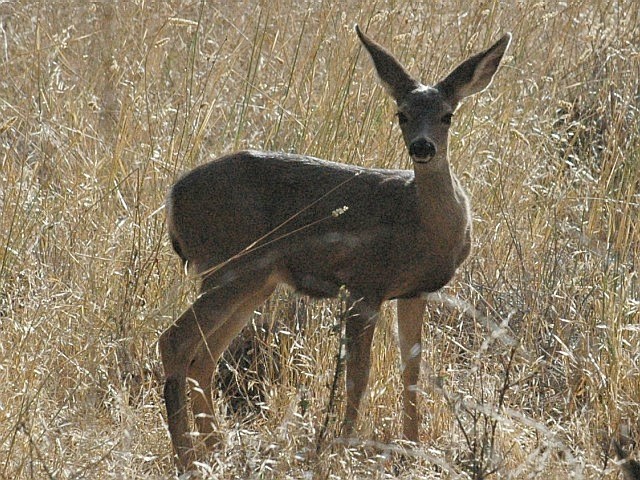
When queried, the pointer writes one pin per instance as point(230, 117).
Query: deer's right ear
point(475, 74)
point(394, 77)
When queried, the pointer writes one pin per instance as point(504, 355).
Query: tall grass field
point(531, 359)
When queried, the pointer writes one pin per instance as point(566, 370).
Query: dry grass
point(104, 104)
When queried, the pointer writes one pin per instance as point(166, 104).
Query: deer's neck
point(443, 207)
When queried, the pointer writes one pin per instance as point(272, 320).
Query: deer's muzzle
point(422, 150)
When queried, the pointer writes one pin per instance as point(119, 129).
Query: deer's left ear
point(474, 74)
point(393, 75)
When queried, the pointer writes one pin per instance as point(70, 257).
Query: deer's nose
point(422, 149)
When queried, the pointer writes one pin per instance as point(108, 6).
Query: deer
point(249, 221)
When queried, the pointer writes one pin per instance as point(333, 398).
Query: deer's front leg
point(359, 335)
point(410, 313)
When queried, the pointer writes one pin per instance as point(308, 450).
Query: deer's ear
point(394, 77)
point(474, 74)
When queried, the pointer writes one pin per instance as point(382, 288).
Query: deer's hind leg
point(203, 367)
point(192, 345)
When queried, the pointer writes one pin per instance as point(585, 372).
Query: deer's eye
point(402, 118)
point(446, 118)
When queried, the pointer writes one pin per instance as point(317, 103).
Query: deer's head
point(425, 112)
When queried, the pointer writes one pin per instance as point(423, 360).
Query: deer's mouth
point(417, 159)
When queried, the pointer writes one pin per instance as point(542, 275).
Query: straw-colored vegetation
point(104, 104)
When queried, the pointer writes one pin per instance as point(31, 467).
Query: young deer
point(249, 221)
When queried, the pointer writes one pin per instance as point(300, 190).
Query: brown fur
point(250, 220)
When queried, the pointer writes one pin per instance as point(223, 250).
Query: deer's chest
point(429, 261)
